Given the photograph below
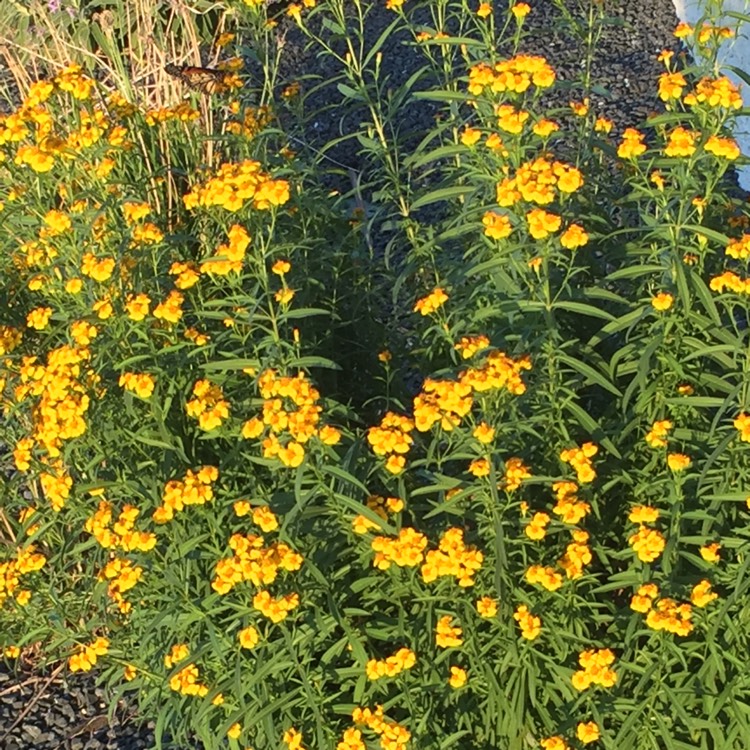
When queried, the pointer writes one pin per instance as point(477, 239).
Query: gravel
point(48, 711)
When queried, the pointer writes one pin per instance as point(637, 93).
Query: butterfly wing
point(205, 80)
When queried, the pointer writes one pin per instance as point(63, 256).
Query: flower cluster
point(715, 93)
point(547, 577)
point(186, 680)
point(121, 535)
point(731, 281)
point(443, 401)
point(429, 304)
point(60, 386)
point(253, 562)
point(381, 506)
point(209, 406)
point(392, 665)
point(538, 182)
point(446, 635)
point(580, 460)
point(596, 669)
point(406, 550)
point(275, 609)
point(514, 75)
point(668, 614)
point(497, 372)
point(227, 259)
point(655, 437)
point(577, 555)
point(391, 438)
point(237, 184)
point(27, 560)
point(290, 408)
point(647, 543)
point(536, 529)
point(392, 735)
point(516, 472)
point(194, 489)
point(530, 625)
point(122, 576)
point(569, 508)
point(87, 655)
point(452, 558)
point(140, 383)
point(252, 121)
point(182, 112)
point(632, 144)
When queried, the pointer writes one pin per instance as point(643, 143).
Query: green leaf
point(589, 373)
point(590, 425)
point(584, 309)
point(443, 194)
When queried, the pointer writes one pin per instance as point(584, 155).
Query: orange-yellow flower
point(662, 301)
point(587, 732)
point(458, 677)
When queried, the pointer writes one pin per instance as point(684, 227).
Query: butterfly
point(206, 80)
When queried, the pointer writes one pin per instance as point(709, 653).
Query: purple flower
point(53, 6)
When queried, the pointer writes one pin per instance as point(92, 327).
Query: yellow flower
point(542, 223)
point(38, 318)
point(662, 301)
point(671, 85)
point(554, 743)
point(681, 143)
point(264, 517)
point(293, 739)
point(485, 9)
point(479, 467)
point(129, 672)
point(545, 128)
point(643, 514)
point(458, 677)
point(710, 553)
point(647, 543)
point(253, 428)
point(520, 10)
point(470, 136)
point(632, 144)
point(574, 236)
point(447, 636)
point(702, 595)
point(742, 425)
point(249, 637)
point(587, 732)
point(678, 461)
point(284, 296)
point(484, 433)
point(234, 731)
point(429, 304)
point(580, 109)
point(280, 267)
point(530, 625)
point(655, 437)
point(496, 226)
point(142, 384)
point(486, 607)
